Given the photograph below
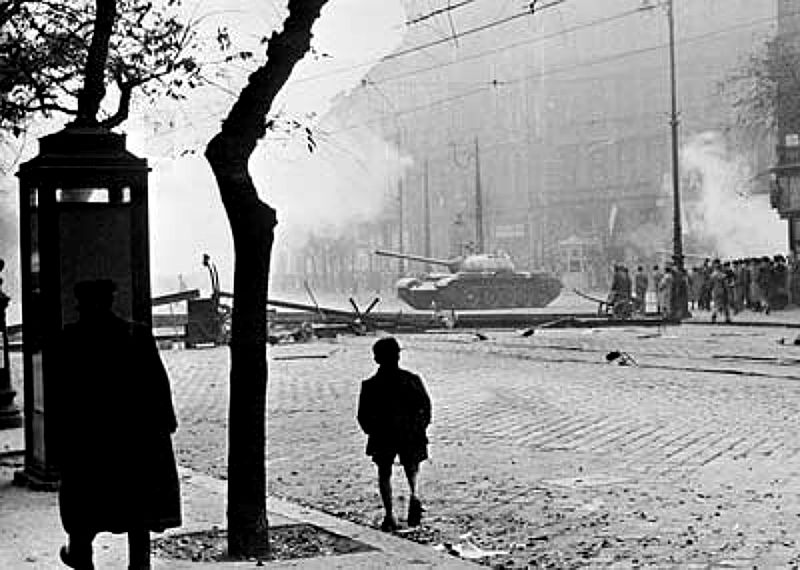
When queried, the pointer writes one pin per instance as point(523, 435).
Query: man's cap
point(94, 288)
point(386, 346)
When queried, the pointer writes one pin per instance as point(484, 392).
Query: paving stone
point(672, 438)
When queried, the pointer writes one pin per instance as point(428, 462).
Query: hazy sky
point(339, 183)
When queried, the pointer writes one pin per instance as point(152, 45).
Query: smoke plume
point(720, 208)
point(342, 180)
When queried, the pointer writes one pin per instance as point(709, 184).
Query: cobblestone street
point(541, 448)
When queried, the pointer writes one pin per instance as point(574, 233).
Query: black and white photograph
point(378, 284)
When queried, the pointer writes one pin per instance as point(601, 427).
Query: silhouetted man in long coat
point(394, 410)
point(115, 419)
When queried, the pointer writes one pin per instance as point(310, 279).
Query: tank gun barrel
point(445, 262)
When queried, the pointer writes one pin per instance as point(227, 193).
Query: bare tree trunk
point(252, 225)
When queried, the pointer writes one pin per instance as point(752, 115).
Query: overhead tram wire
point(586, 25)
point(449, 38)
point(372, 62)
point(559, 70)
point(494, 51)
point(470, 31)
point(478, 55)
point(447, 9)
point(551, 71)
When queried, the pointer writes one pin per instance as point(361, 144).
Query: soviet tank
point(475, 282)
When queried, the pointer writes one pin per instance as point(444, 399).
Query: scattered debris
point(555, 323)
point(313, 299)
point(302, 333)
point(620, 358)
point(583, 481)
point(795, 342)
point(361, 324)
point(300, 356)
point(480, 336)
point(468, 550)
point(649, 335)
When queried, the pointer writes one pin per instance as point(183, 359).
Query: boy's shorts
point(407, 456)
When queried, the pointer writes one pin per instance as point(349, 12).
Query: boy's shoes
point(70, 561)
point(414, 512)
point(389, 524)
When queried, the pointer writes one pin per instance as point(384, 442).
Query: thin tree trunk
point(94, 89)
point(252, 225)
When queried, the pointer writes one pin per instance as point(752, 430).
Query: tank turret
point(452, 264)
point(495, 262)
point(478, 281)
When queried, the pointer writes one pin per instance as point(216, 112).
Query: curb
point(390, 551)
point(31, 533)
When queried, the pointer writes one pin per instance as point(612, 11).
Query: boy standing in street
point(394, 410)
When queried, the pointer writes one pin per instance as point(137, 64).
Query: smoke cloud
point(721, 210)
point(343, 181)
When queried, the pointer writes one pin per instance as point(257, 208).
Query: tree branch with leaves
point(767, 86)
point(133, 46)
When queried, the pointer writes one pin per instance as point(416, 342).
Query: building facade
point(532, 132)
point(786, 189)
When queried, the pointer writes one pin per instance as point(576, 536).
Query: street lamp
point(674, 123)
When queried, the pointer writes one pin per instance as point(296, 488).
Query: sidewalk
point(31, 533)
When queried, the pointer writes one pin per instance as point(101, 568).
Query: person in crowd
point(739, 286)
point(114, 419)
point(680, 293)
point(665, 292)
point(657, 275)
point(778, 290)
point(730, 282)
point(794, 279)
point(764, 278)
point(620, 291)
point(700, 284)
point(640, 282)
point(720, 291)
point(754, 291)
point(394, 410)
point(705, 292)
point(693, 289)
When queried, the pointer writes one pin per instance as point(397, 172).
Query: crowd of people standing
point(730, 286)
point(723, 287)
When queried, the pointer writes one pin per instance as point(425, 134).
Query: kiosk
point(83, 215)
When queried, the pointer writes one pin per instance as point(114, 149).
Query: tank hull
point(481, 292)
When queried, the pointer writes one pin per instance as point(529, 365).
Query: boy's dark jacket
point(394, 410)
